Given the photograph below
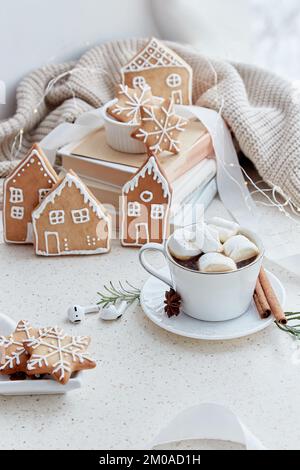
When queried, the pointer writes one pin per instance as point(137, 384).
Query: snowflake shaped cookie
point(53, 352)
point(160, 128)
point(129, 102)
point(13, 354)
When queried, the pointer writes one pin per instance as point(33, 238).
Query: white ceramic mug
point(209, 296)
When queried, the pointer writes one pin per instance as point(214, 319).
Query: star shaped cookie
point(55, 353)
point(160, 128)
point(129, 102)
point(13, 355)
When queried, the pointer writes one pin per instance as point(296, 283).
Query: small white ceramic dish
point(32, 387)
point(152, 297)
point(118, 134)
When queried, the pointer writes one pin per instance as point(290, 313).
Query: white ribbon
point(231, 185)
point(66, 133)
point(207, 421)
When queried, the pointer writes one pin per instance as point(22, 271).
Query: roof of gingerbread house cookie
point(72, 179)
point(150, 167)
point(154, 54)
point(25, 165)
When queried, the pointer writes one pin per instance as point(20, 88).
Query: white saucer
point(152, 297)
point(32, 387)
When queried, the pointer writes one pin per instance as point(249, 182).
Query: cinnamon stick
point(272, 298)
point(262, 300)
point(261, 311)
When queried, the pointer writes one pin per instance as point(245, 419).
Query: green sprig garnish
point(113, 294)
point(294, 329)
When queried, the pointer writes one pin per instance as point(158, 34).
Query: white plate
point(152, 297)
point(32, 387)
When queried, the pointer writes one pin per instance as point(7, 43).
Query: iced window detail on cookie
point(134, 209)
point(56, 217)
point(139, 81)
point(157, 211)
point(17, 212)
point(173, 80)
point(16, 195)
point(42, 194)
point(80, 216)
point(146, 196)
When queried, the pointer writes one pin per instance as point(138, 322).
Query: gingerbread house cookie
point(146, 200)
point(71, 221)
point(24, 189)
point(168, 75)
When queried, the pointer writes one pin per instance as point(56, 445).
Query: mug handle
point(147, 266)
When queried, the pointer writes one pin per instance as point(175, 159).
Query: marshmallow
point(211, 240)
point(240, 248)
point(216, 263)
point(183, 244)
point(225, 228)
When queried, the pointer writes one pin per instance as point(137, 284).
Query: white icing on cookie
point(155, 54)
point(151, 167)
point(59, 350)
point(163, 134)
point(131, 106)
point(70, 179)
point(14, 358)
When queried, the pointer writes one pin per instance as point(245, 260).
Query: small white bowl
point(32, 387)
point(118, 134)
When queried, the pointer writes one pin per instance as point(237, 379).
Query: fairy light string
point(18, 139)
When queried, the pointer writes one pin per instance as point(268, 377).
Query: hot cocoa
point(215, 247)
point(193, 263)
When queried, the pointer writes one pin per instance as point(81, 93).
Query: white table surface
point(144, 375)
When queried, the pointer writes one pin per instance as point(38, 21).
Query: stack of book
point(192, 172)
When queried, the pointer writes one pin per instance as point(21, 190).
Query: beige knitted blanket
point(258, 106)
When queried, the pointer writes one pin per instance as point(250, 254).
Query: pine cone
point(172, 303)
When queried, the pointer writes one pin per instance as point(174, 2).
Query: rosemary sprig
point(294, 329)
point(114, 294)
